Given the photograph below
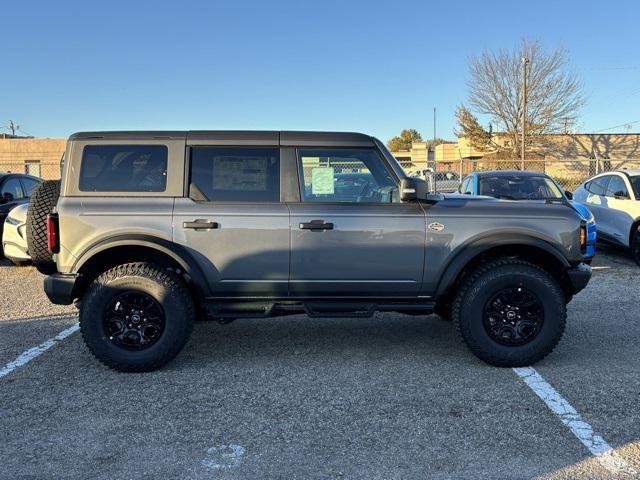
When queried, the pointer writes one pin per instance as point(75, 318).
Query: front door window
point(345, 175)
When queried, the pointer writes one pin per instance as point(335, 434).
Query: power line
point(618, 126)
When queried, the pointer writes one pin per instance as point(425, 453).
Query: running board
point(314, 309)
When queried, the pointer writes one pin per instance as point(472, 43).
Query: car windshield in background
point(635, 183)
point(519, 188)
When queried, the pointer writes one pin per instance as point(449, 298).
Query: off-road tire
point(477, 289)
point(43, 199)
point(165, 287)
point(443, 310)
point(635, 243)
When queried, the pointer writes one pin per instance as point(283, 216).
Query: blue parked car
point(522, 185)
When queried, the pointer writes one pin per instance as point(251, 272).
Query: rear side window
point(29, 185)
point(617, 188)
point(599, 185)
point(11, 189)
point(124, 168)
point(235, 174)
point(466, 186)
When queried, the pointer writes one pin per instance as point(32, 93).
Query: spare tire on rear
point(43, 199)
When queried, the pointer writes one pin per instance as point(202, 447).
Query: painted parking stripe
point(598, 447)
point(34, 352)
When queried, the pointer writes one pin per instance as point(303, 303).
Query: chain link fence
point(48, 171)
point(568, 172)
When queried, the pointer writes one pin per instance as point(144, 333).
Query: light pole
point(525, 61)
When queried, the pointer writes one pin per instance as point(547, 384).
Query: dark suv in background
point(15, 189)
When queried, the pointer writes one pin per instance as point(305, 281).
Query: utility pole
point(433, 145)
point(525, 61)
point(13, 127)
point(434, 124)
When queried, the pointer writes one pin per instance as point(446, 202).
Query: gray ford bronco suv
point(149, 231)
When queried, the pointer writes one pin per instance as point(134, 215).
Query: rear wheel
point(43, 199)
point(136, 317)
point(635, 243)
point(510, 313)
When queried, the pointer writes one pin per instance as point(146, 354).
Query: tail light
point(52, 233)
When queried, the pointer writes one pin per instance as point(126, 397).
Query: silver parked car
point(14, 236)
point(614, 200)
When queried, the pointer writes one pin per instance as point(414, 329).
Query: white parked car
point(614, 200)
point(14, 236)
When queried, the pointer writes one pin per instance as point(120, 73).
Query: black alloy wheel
point(513, 316)
point(133, 320)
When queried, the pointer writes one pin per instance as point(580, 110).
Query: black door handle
point(200, 224)
point(316, 226)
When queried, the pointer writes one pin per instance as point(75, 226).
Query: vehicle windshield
point(519, 188)
point(635, 184)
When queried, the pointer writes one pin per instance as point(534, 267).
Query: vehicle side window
point(29, 185)
point(617, 187)
point(599, 185)
point(235, 174)
point(11, 187)
point(123, 168)
point(345, 175)
point(635, 184)
point(466, 186)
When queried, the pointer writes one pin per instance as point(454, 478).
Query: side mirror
point(621, 195)
point(568, 194)
point(6, 197)
point(412, 189)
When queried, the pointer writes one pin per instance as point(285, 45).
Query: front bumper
point(60, 288)
point(579, 276)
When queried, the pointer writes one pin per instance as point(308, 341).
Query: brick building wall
point(36, 156)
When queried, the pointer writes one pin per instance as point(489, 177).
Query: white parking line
point(598, 447)
point(34, 352)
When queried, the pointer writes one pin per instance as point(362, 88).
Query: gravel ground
point(22, 295)
point(391, 397)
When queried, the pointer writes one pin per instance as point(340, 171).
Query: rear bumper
point(59, 288)
point(579, 276)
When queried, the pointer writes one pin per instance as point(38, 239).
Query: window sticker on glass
point(322, 181)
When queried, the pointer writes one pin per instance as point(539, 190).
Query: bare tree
point(554, 96)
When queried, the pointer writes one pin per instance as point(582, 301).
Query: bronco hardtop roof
point(237, 137)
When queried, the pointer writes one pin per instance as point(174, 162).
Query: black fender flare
point(177, 252)
point(473, 248)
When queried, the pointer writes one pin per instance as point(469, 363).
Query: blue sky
point(375, 67)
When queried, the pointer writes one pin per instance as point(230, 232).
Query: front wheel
point(136, 317)
point(510, 313)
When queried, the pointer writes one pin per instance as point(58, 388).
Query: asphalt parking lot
point(391, 397)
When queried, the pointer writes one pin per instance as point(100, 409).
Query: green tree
point(404, 140)
point(469, 127)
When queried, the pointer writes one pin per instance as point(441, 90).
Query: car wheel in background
point(510, 313)
point(43, 199)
